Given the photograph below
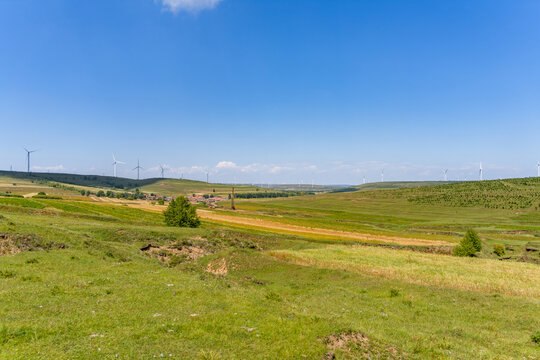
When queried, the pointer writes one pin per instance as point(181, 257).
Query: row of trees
point(118, 195)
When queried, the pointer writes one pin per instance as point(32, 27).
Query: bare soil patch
point(16, 243)
point(218, 267)
point(173, 255)
point(355, 345)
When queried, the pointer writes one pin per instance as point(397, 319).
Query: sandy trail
point(265, 224)
point(30, 195)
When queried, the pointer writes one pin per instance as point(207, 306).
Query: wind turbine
point(538, 168)
point(116, 162)
point(481, 173)
point(364, 179)
point(162, 171)
point(445, 174)
point(28, 152)
point(382, 175)
point(138, 168)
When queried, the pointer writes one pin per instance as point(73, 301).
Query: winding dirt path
point(280, 227)
point(265, 224)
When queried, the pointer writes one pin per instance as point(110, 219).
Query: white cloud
point(192, 6)
point(49, 168)
point(226, 165)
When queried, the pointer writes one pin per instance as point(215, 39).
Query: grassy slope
point(503, 211)
point(175, 187)
point(400, 184)
point(102, 297)
point(30, 183)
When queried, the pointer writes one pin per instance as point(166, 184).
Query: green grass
point(188, 187)
point(70, 184)
point(502, 211)
point(100, 296)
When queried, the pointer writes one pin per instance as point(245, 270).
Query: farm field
point(76, 284)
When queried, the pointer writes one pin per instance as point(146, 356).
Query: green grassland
point(71, 184)
point(503, 211)
point(188, 187)
point(400, 184)
point(75, 284)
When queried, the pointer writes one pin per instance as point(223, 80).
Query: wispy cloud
point(193, 6)
point(49, 168)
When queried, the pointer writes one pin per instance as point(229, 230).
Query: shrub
point(535, 338)
point(469, 245)
point(161, 202)
point(41, 193)
point(6, 274)
point(181, 213)
point(394, 292)
point(499, 250)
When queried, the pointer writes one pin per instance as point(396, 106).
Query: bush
point(161, 202)
point(469, 245)
point(499, 250)
point(535, 338)
point(181, 213)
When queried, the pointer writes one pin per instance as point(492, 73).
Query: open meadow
point(84, 279)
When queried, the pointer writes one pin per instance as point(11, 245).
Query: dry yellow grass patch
point(483, 275)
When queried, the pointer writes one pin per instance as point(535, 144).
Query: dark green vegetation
point(181, 213)
point(471, 244)
point(82, 280)
point(81, 180)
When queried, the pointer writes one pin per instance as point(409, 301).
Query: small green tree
point(181, 213)
point(469, 245)
point(499, 250)
point(161, 202)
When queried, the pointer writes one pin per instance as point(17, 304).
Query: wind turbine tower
point(162, 168)
point(538, 168)
point(28, 152)
point(364, 179)
point(115, 163)
point(445, 174)
point(138, 168)
point(382, 175)
point(481, 173)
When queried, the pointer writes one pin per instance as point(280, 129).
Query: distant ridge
point(84, 180)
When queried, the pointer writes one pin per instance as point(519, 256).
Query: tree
point(181, 213)
point(469, 245)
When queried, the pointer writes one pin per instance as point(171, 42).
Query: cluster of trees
point(118, 195)
point(277, 194)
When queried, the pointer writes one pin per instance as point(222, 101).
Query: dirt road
point(280, 227)
point(271, 225)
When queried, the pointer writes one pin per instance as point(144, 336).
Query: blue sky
point(272, 91)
